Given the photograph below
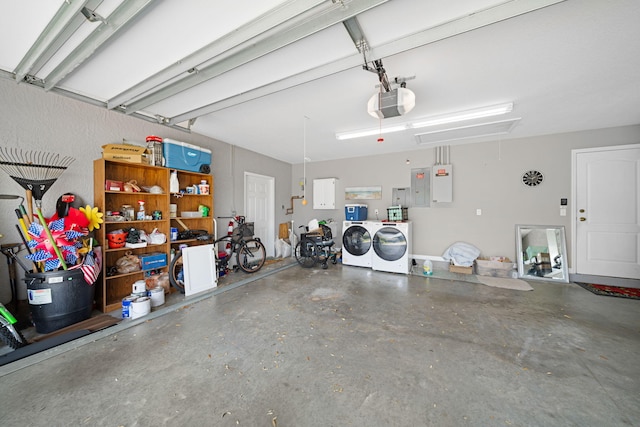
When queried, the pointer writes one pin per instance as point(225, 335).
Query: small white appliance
point(391, 247)
point(356, 243)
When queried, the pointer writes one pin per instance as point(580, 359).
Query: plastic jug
point(427, 267)
point(174, 184)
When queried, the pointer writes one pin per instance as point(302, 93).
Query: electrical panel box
point(400, 197)
point(442, 183)
point(420, 187)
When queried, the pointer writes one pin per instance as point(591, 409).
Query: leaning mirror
point(542, 253)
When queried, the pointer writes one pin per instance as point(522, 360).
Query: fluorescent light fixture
point(369, 132)
point(477, 113)
point(461, 133)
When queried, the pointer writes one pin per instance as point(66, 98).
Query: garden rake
point(36, 172)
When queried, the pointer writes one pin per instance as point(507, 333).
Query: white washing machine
point(391, 247)
point(356, 243)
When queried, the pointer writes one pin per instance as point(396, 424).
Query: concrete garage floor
point(349, 346)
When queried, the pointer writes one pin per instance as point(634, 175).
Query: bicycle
point(11, 336)
point(315, 247)
point(250, 252)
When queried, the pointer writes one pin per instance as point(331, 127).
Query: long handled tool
point(36, 172)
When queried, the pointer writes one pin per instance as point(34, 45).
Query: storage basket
point(494, 266)
point(397, 213)
point(243, 230)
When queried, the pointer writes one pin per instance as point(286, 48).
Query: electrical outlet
point(376, 211)
point(478, 212)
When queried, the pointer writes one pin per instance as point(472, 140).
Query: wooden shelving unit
point(112, 289)
point(190, 203)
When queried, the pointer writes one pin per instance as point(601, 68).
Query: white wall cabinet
point(324, 193)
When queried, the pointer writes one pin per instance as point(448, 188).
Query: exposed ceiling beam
point(357, 35)
point(285, 12)
point(125, 12)
point(304, 77)
point(451, 28)
point(252, 50)
point(45, 46)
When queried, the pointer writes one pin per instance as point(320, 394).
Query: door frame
point(271, 202)
point(574, 193)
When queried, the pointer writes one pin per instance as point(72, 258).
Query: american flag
point(90, 269)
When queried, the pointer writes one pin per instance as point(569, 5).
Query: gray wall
point(34, 120)
point(485, 176)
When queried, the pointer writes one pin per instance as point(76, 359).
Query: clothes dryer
point(356, 243)
point(392, 247)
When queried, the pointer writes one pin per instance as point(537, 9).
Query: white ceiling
point(257, 73)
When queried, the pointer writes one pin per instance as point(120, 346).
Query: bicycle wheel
point(251, 255)
point(222, 243)
point(12, 337)
point(222, 262)
point(307, 253)
point(176, 272)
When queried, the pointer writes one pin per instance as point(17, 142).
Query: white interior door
point(259, 205)
point(607, 211)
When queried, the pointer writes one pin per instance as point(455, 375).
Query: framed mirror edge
point(522, 274)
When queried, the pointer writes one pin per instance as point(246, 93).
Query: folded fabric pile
point(461, 254)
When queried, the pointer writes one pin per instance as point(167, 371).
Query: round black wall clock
point(532, 178)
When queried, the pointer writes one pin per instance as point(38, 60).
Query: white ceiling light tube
point(477, 113)
point(369, 132)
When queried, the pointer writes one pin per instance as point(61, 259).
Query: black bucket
point(58, 299)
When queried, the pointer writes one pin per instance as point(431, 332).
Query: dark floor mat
point(611, 291)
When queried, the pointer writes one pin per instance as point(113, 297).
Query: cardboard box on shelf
point(111, 185)
point(126, 153)
point(153, 260)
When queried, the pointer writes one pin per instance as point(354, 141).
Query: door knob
point(581, 210)
point(583, 218)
